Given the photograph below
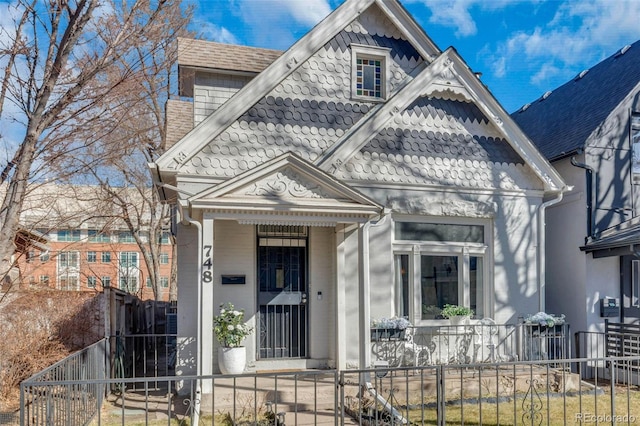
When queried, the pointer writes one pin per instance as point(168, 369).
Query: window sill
point(369, 99)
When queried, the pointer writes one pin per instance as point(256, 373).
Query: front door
point(282, 291)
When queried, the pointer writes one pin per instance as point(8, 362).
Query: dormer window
point(369, 77)
point(369, 67)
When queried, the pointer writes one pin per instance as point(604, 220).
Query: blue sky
point(522, 47)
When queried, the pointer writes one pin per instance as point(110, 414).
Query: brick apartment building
point(81, 243)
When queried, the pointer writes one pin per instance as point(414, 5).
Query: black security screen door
point(282, 291)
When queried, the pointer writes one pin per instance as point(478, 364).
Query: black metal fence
point(70, 392)
point(544, 392)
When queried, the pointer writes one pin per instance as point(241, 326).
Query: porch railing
point(470, 343)
point(520, 392)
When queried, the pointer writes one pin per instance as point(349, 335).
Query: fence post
point(440, 395)
point(613, 391)
point(23, 406)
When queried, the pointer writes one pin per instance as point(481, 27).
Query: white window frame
point(635, 144)
point(129, 271)
point(635, 283)
point(382, 54)
point(464, 251)
point(68, 269)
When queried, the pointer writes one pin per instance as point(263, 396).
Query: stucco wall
point(603, 280)
point(566, 265)
point(512, 251)
point(235, 254)
point(322, 283)
point(187, 237)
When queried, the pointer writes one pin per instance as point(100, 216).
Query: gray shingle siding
point(399, 48)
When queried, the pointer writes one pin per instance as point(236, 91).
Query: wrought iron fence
point(470, 343)
point(143, 355)
point(519, 392)
point(43, 401)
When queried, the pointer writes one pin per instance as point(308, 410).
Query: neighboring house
point(364, 173)
point(589, 128)
point(71, 241)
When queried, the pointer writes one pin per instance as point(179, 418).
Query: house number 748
point(207, 265)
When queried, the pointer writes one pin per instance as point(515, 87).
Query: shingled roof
point(560, 122)
point(206, 54)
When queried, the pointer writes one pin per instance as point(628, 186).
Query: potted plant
point(230, 331)
point(457, 314)
point(542, 320)
point(389, 328)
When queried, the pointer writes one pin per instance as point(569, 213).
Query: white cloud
point(274, 23)
point(308, 12)
point(580, 34)
point(544, 73)
point(453, 14)
point(214, 32)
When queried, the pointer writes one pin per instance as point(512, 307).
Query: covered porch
point(287, 244)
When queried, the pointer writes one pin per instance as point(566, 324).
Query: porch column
point(207, 305)
point(340, 344)
point(365, 298)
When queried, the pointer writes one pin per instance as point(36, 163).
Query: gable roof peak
point(184, 150)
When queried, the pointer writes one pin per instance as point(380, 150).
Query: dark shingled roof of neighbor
point(560, 123)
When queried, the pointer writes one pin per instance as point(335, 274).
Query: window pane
point(402, 284)
point(369, 75)
point(476, 272)
point(635, 142)
point(439, 232)
point(438, 283)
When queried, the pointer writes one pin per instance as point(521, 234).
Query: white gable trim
point(349, 203)
point(267, 80)
point(552, 180)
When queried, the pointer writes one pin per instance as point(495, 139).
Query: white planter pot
point(460, 319)
point(232, 360)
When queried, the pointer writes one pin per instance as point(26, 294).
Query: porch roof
point(620, 240)
point(286, 190)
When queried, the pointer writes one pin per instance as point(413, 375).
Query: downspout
point(187, 220)
point(542, 268)
point(590, 175)
point(365, 295)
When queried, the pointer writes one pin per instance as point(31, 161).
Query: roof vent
point(546, 95)
point(525, 107)
point(582, 74)
point(623, 50)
